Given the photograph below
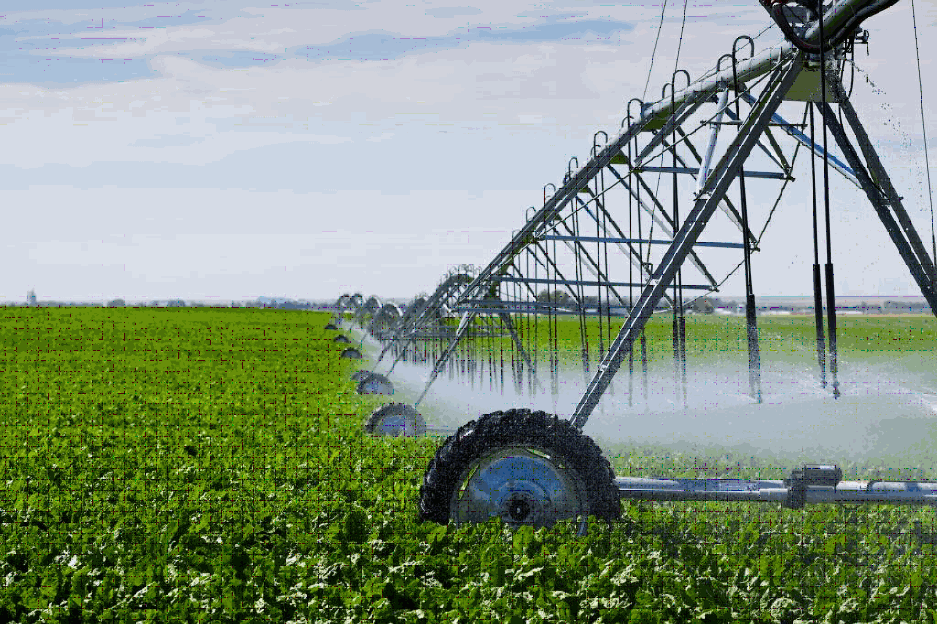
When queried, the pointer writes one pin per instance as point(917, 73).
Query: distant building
point(31, 299)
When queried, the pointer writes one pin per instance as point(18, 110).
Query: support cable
point(930, 191)
point(650, 69)
point(676, 62)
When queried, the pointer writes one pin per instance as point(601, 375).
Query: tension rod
point(817, 287)
point(679, 320)
point(830, 284)
point(754, 353)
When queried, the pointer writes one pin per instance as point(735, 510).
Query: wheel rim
point(375, 384)
point(393, 426)
point(397, 420)
point(521, 485)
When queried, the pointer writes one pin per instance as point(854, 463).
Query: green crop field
point(717, 336)
point(202, 465)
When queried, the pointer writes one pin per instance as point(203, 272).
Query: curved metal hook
point(628, 111)
point(674, 78)
point(569, 167)
point(545, 191)
point(595, 142)
point(640, 104)
point(663, 90)
point(735, 45)
point(735, 60)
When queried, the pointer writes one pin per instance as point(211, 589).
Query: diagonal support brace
point(714, 189)
point(879, 202)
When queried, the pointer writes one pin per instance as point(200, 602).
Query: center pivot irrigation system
point(609, 244)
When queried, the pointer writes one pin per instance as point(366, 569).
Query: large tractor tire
point(396, 419)
point(525, 467)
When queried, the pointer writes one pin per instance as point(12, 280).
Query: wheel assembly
point(525, 467)
point(359, 375)
point(395, 419)
point(331, 326)
point(351, 354)
point(375, 383)
point(341, 338)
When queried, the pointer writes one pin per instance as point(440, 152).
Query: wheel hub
point(393, 426)
point(518, 508)
point(521, 486)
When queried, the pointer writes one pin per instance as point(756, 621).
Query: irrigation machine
point(610, 244)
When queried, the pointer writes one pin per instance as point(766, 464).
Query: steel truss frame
point(577, 218)
point(425, 324)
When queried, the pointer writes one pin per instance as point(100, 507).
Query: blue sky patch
point(383, 45)
point(444, 12)
point(227, 59)
point(371, 46)
point(64, 70)
point(40, 52)
point(43, 51)
point(17, 6)
point(165, 19)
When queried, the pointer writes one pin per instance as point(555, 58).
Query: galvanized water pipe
point(835, 16)
point(776, 491)
point(706, 165)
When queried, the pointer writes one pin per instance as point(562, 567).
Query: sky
point(225, 150)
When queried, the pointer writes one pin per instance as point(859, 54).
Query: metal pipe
point(754, 353)
point(706, 165)
point(835, 16)
point(817, 288)
point(776, 491)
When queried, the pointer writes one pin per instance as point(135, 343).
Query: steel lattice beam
point(723, 174)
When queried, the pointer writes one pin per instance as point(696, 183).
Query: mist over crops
point(888, 405)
